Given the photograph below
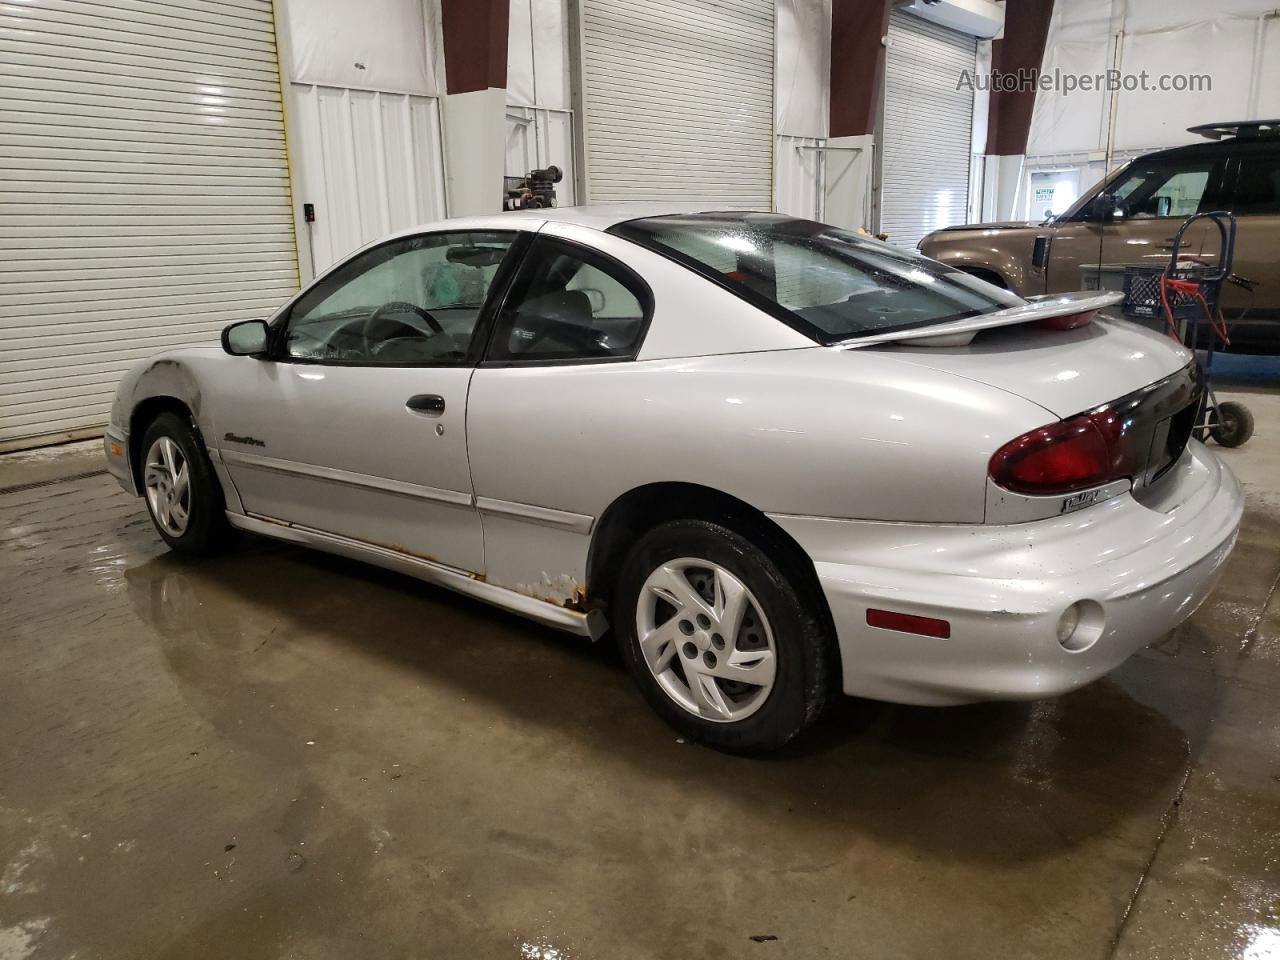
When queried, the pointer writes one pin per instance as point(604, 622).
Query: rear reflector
point(908, 623)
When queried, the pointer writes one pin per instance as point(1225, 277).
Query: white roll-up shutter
point(144, 194)
point(927, 129)
point(679, 100)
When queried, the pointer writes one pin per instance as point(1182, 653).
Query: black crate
point(1142, 293)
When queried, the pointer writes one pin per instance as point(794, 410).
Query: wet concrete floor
point(281, 754)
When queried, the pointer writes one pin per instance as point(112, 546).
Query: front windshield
point(828, 283)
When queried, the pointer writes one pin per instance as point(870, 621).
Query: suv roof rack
point(1243, 129)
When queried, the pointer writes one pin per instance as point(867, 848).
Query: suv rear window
point(830, 284)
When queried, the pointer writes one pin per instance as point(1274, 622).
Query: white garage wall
point(366, 141)
point(539, 121)
point(370, 165)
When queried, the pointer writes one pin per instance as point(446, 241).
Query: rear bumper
point(1004, 589)
point(115, 448)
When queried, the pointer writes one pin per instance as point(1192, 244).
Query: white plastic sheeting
point(802, 101)
point(1234, 42)
point(372, 166)
point(1218, 48)
point(803, 81)
point(537, 53)
point(539, 124)
point(392, 45)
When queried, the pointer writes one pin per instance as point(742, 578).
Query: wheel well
point(982, 273)
point(640, 510)
point(143, 414)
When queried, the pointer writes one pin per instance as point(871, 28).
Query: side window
point(571, 303)
point(1164, 189)
point(1257, 185)
point(410, 301)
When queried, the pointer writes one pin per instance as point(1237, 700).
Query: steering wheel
point(378, 327)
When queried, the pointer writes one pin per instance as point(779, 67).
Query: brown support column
point(1017, 55)
point(473, 112)
point(858, 28)
point(475, 43)
point(857, 65)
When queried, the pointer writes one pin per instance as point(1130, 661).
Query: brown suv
point(1131, 217)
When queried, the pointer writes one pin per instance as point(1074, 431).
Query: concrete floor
point(280, 754)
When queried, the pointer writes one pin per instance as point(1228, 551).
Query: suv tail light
point(1074, 454)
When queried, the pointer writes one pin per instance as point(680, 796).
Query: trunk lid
point(1064, 371)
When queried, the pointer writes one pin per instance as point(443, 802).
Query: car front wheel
point(721, 643)
point(182, 492)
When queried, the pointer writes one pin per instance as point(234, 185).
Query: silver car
point(776, 460)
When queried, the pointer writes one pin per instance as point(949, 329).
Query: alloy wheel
point(706, 640)
point(167, 479)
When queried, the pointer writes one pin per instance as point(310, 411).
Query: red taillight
point(1068, 321)
point(1063, 457)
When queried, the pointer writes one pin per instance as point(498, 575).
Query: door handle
point(432, 404)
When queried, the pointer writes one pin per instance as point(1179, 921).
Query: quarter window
point(571, 303)
point(411, 301)
point(830, 284)
point(1258, 185)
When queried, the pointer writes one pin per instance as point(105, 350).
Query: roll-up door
point(678, 100)
point(144, 194)
point(927, 129)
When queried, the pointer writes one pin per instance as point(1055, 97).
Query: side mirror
point(1102, 208)
point(248, 338)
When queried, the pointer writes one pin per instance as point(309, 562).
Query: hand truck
point(1187, 295)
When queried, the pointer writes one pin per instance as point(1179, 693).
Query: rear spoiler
point(1067, 310)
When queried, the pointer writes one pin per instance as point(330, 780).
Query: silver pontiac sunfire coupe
point(776, 459)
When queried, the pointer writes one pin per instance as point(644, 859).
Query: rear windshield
point(830, 284)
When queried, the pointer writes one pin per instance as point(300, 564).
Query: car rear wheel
point(721, 643)
point(1235, 424)
point(182, 492)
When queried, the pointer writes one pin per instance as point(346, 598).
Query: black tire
point(990, 276)
point(806, 659)
point(207, 530)
point(1234, 426)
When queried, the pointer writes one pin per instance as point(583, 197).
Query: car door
point(1153, 196)
point(1253, 313)
point(572, 321)
point(356, 423)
